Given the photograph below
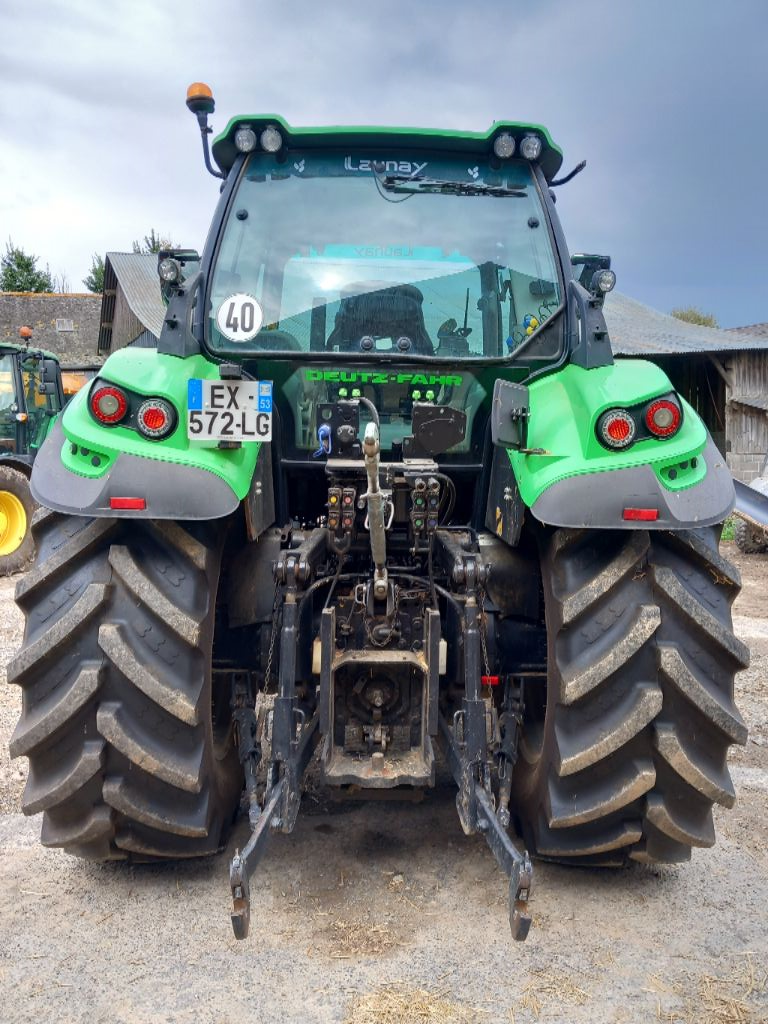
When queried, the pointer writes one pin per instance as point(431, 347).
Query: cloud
point(665, 100)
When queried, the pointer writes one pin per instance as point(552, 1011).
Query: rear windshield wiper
point(406, 183)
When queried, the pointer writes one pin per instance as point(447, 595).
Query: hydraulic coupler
point(375, 501)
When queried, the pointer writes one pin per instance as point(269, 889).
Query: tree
point(692, 315)
point(61, 284)
point(19, 273)
point(153, 243)
point(94, 282)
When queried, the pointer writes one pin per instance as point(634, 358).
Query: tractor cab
point(30, 396)
point(384, 246)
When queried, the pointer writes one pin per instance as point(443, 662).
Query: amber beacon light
point(200, 101)
point(200, 98)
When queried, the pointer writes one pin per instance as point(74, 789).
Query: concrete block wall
point(746, 466)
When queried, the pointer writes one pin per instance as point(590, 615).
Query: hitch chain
point(483, 629)
point(273, 634)
point(510, 722)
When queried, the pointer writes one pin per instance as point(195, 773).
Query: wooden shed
point(131, 303)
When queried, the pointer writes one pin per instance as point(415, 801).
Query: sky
point(667, 100)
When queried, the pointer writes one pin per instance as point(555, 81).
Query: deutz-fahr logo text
point(384, 166)
point(441, 380)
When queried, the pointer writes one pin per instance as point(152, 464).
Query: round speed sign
point(239, 317)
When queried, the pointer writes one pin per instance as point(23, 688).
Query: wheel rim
point(13, 523)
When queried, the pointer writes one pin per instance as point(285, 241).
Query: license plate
point(229, 410)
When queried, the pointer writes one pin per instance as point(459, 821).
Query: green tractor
point(380, 491)
point(31, 396)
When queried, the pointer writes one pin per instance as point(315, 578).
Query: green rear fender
point(84, 464)
point(578, 482)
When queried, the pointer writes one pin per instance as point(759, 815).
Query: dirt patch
point(734, 998)
point(753, 599)
point(401, 1005)
point(347, 939)
point(552, 987)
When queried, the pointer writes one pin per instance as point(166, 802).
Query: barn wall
point(746, 425)
point(125, 324)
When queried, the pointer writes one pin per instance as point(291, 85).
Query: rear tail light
point(662, 418)
point(616, 428)
point(108, 404)
point(155, 418)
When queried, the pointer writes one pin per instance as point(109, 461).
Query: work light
point(530, 147)
point(603, 281)
point(271, 139)
point(169, 270)
point(245, 139)
point(504, 146)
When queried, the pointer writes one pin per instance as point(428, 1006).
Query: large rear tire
point(750, 540)
point(130, 749)
point(16, 509)
point(625, 754)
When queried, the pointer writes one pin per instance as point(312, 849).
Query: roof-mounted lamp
point(504, 146)
point(531, 147)
point(201, 102)
point(603, 281)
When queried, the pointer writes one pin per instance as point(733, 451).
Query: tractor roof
point(372, 137)
point(7, 346)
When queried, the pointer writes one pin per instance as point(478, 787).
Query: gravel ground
point(381, 913)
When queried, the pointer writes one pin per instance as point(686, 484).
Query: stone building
point(67, 325)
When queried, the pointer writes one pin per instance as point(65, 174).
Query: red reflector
point(618, 429)
point(490, 680)
point(154, 418)
point(127, 503)
point(648, 515)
